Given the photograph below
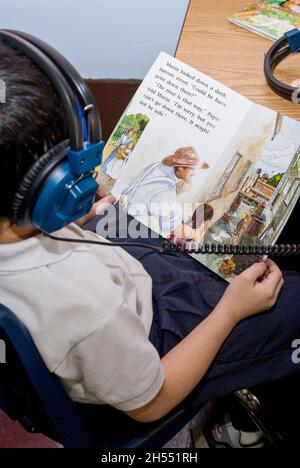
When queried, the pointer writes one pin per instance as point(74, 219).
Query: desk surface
point(227, 53)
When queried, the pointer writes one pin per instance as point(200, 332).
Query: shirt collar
point(36, 251)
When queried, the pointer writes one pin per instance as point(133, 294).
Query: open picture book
point(194, 160)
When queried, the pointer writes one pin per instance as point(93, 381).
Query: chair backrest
point(35, 397)
point(30, 393)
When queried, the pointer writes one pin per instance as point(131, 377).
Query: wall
point(103, 39)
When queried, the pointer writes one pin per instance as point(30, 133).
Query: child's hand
point(253, 291)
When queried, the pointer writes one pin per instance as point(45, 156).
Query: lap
point(185, 292)
point(259, 350)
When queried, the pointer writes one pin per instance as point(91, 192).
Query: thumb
point(104, 203)
point(256, 271)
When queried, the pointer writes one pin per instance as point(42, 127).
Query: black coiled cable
point(176, 245)
point(229, 249)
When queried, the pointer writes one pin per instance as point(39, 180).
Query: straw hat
point(184, 157)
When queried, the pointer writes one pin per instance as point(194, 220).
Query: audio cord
point(173, 246)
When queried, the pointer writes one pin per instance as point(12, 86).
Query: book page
point(190, 159)
point(175, 107)
point(255, 189)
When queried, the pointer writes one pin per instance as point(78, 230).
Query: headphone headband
point(58, 81)
point(288, 44)
point(60, 187)
point(75, 81)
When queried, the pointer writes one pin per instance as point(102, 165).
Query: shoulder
point(128, 373)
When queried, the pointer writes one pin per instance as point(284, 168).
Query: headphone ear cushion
point(32, 183)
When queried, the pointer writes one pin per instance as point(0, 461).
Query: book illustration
point(264, 202)
point(120, 146)
point(271, 18)
point(158, 185)
point(210, 167)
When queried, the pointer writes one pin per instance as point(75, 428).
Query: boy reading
point(136, 330)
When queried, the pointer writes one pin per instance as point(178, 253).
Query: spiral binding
point(195, 247)
point(180, 245)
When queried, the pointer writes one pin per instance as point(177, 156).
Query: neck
point(10, 232)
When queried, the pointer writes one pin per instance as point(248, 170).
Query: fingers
point(274, 276)
point(273, 294)
point(103, 204)
point(256, 271)
point(273, 282)
point(279, 288)
point(101, 193)
point(271, 265)
point(110, 199)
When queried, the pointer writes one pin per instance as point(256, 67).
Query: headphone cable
point(107, 244)
point(168, 247)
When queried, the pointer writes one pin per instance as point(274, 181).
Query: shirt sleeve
point(115, 365)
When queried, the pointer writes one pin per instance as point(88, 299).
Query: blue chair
point(35, 397)
point(32, 395)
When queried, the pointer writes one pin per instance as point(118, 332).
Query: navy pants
point(258, 351)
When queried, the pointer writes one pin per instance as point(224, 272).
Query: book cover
point(192, 159)
point(271, 18)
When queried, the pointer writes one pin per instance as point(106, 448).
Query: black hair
point(32, 120)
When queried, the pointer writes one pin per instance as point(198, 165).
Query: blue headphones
point(60, 187)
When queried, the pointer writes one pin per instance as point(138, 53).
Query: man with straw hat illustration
point(152, 196)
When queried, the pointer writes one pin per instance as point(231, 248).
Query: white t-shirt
point(89, 311)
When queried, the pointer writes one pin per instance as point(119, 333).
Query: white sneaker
point(225, 435)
